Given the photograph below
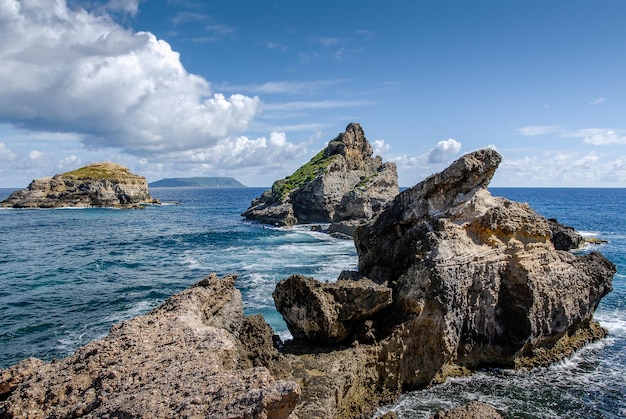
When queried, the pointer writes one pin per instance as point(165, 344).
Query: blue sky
point(253, 89)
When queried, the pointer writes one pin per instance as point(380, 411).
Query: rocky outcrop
point(564, 237)
point(330, 312)
point(184, 359)
point(470, 410)
point(95, 185)
point(475, 281)
point(343, 184)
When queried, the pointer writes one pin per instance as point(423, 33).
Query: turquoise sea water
point(67, 275)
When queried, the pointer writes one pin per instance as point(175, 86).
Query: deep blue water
point(67, 275)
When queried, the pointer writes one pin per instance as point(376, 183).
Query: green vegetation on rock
point(305, 174)
point(100, 171)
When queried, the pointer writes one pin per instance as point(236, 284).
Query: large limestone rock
point(342, 184)
point(96, 185)
point(475, 281)
point(184, 359)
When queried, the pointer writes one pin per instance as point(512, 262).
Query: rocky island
point(95, 185)
point(450, 279)
point(343, 184)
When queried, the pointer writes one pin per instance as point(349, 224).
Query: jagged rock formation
point(329, 312)
point(343, 184)
point(564, 237)
point(475, 279)
point(96, 185)
point(184, 359)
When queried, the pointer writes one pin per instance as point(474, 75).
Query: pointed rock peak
point(351, 144)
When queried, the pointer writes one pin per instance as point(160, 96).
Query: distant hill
point(198, 182)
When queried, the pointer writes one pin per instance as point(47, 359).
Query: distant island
point(198, 182)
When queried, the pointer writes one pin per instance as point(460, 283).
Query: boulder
point(95, 185)
point(183, 359)
point(564, 237)
point(476, 279)
point(329, 313)
point(342, 184)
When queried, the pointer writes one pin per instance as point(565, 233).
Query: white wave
point(190, 261)
point(614, 321)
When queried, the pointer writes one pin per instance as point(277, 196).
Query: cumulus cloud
point(243, 152)
point(66, 70)
point(444, 150)
point(380, 146)
point(6, 154)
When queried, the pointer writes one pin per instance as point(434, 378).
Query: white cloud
point(36, 155)
point(539, 130)
point(597, 101)
point(380, 146)
point(444, 150)
point(67, 70)
point(593, 136)
point(561, 168)
point(6, 154)
point(598, 136)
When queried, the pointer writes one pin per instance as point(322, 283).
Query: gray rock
point(95, 185)
point(342, 183)
point(328, 312)
point(564, 237)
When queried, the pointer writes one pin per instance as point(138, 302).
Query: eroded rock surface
point(475, 281)
point(330, 313)
point(95, 185)
point(343, 184)
point(470, 410)
point(184, 359)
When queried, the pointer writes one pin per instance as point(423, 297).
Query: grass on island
point(305, 174)
point(100, 171)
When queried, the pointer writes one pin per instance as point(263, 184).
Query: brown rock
point(181, 360)
point(328, 313)
point(470, 410)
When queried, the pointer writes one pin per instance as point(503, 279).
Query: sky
point(253, 89)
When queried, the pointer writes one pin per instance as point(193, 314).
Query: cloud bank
point(66, 70)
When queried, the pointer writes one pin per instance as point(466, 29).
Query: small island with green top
point(96, 185)
point(197, 182)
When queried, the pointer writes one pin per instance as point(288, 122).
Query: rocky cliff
point(343, 184)
point(475, 281)
point(95, 185)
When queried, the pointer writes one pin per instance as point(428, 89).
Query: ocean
point(67, 275)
